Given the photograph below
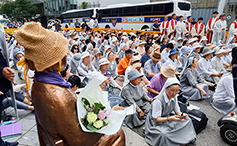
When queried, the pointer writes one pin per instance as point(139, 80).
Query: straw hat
point(135, 65)
point(43, 47)
point(156, 56)
point(155, 46)
point(230, 67)
point(211, 46)
point(142, 43)
point(135, 59)
point(168, 71)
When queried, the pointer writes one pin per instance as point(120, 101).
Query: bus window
point(169, 8)
point(116, 12)
point(158, 9)
point(184, 6)
point(129, 11)
point(144, 10)
point(106, 12)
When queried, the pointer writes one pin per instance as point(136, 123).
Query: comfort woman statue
point(55, 104)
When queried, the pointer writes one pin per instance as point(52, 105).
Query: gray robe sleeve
point(125, 94)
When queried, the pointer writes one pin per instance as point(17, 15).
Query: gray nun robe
point(112, 69)
point(188, 80)
point(134, 95)
point(168, 133)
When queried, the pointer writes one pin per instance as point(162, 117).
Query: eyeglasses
point(174, 91)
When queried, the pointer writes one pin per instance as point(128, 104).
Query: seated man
point(123, 64)
point(158, 81)
point(152, 66)
point(224, 97)
point(133, 94)
point(162, 127)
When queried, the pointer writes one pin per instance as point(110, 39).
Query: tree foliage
point(84, 4)
point(18, 9)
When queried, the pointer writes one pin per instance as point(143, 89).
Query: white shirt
point(171, 62)
point(225, 87)
point(157, 107)
point(165, 54)
point(91, 23)
point(204, 67)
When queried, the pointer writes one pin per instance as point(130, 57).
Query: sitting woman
point(75, 49)
point(173, 60)
point(183, 58)
point(224, 97)
point(74, 63)
point(113, 88)
point(158, 81)
point(205, 70)
point(133, 94)
point(103, 81)
point(162, 127)
point(113, 65)
point(192, 86)
point(85, 66)
point(121, 52)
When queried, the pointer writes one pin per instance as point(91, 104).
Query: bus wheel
point(144, 27)
point(107, 26)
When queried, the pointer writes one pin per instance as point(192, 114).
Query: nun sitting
point(196, 50)
point(103, 67)
point(192, 86)
point(97, 57)
point(85, 66)
point(224, 97)
point(163, 128)
point(133, 94)
point(183, 58)
point(173, 60)
point(74, 63)
point(121, 52)
point(205, 70)
point(113, 65)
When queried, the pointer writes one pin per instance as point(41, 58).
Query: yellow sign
point(11, 30)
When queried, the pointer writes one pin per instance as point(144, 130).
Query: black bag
point(199, 120)
point(183, 103)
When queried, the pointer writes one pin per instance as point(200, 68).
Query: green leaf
point(91, 128)
point(86, 102)
point(96, 110)
point(99, 105)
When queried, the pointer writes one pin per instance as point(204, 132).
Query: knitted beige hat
point(43, 47)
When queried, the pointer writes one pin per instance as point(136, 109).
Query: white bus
point(131, 16)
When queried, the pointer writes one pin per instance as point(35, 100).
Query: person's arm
point(151, 74)
point(81, 72)
point(145, 80)
point(152, 91)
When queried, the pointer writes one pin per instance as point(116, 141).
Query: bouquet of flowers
point(94, 111)
point(96, 116)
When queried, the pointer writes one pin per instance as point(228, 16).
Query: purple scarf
point(52, 78)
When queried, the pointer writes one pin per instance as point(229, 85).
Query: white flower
point(98, 124)
point(91, 117)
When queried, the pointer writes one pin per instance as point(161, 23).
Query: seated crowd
point(145, 71)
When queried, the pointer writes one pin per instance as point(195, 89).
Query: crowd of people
point(136, 69)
